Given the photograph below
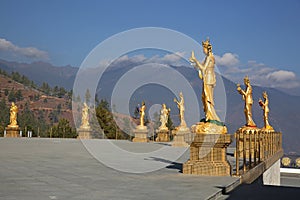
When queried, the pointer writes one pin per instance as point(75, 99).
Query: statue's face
point(265, 95)
point(205, 50)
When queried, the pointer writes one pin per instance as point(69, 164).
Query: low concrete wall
point(272, 175)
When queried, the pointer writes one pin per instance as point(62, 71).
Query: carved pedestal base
point(163, 136)
point(84, 133)
point(179, 139)
point(208, 155)
point(12, 131)
point(208, 128)
point(140, 135)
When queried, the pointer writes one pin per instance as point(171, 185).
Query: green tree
point(62, 130)
point(27, 121)
point(87, 96)
point(18, 95)
point(107, 122)
point(4, 116)
point(170, 123)
point(11, 96)
point(45, 88)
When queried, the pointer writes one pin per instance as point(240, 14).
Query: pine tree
point(87, 96)
point(4, 116)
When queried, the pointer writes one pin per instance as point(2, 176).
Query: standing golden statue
point(206, 70)
point(206, 73)
point(265, 107)
point(247, 97)
point(142, 110)
point(13, 115)
point(164, 115)
point(85, 116)
point(180, 105)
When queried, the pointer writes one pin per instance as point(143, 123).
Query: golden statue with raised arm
point(206, 72)
point(265, 107)
point(247, 97)
point(180, 105)
point(13, 115)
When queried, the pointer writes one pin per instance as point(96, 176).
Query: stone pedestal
point(179, 139)
point(163, 136)
point(12, 131)
point(140, 134)
point(84, 133)
point(208, 155)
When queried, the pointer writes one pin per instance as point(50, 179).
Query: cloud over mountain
point(8, 50)
point(259, 73)
point(228, 59)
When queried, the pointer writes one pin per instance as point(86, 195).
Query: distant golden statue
point(85, 116)
point(142, 114)
point(247, 97)
point(265, 107)
point(13, 115)
point(164, 115)
point(180, 105)
point(206, 73)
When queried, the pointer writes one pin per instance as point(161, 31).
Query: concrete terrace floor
point(43, 169)
point(40, 168)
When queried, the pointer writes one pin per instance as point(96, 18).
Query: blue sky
point(251, 34)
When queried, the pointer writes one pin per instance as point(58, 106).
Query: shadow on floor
point(172, 165)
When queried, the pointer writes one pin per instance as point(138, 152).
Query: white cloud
point(262, 75)
point(281, 75)
point(228, 59)
point(12, 50)
point(174, 57)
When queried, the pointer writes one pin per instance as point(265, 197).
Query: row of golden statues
point(211, 123)
point(207, 75)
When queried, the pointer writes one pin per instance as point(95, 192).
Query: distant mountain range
point(284, 108)
point(41, 72)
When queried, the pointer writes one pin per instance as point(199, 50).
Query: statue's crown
point(246, 78)
point(206, 43)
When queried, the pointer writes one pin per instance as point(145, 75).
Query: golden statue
point(13, 115)
point(85, 116)
point(247, 97)
point(206, 73)
point(180, 105)
point(164, 115)
point(142, 116)
point(265, 107)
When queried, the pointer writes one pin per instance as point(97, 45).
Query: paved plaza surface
point(37, 168)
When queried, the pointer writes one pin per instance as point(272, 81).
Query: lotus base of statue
point(209, 127)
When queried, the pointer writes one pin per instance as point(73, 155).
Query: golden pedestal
point(84, 133)
point(179, 139)
point(208, 155)
point(248, 130)
point(12, 131)
point(140, 134)
point(163, 136)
